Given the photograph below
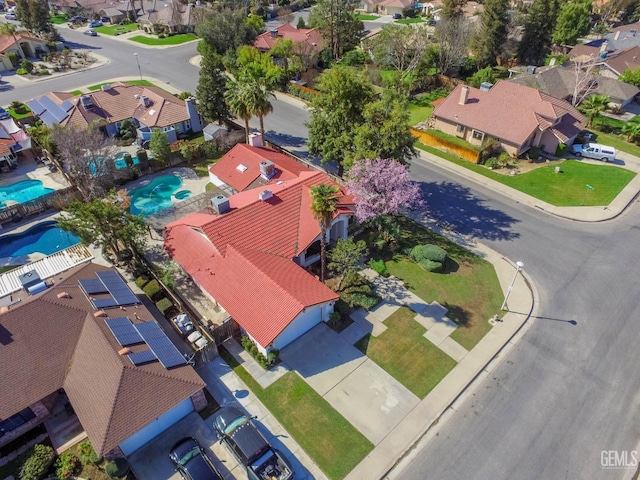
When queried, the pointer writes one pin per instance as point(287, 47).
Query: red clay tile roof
point(508, 111)
point(7, 41)
point(48, 342)
point(226, 168)
point(311, 36)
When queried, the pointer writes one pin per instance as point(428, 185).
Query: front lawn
point(565, 189)
point(406, 355)
point(20, 112)
point(59, 19)
point(75, 93)
point(144, 83)
point(116, 29)
point(407, 21)
point(171, 40)
point(327, 437)
point(419, 113)
point(469, 289)
point(364, 17)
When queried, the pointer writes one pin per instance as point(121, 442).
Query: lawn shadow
point(463, 212)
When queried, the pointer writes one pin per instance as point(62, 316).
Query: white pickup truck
point(594, 150)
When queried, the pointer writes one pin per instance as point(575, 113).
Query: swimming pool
point(120, 162)
point(155, 196)
point(22, 192)
point(44, 237)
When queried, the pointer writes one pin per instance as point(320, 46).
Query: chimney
point(274, 33)
point(617, 35)
point(464, 95)
point(265, 195)
point(194, 117)
point(255, 140)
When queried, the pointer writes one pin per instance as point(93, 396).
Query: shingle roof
point(628, 59)
point(49, 342)
point(226, 169)
point(508, 111)
point(310, 36)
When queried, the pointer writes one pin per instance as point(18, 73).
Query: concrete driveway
point(367, 396)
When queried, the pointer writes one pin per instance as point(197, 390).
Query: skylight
point(242, 168)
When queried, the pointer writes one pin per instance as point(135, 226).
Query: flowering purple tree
point(381, 187)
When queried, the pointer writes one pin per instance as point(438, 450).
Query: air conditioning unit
point(220, 204)
point(145, 101)
point(86, 101)
point(106, 88)
point(265, 195)
point(267, 169)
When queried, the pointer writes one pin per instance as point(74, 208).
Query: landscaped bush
point(296, 92)
point(152, 289)
point(561, 149)
point(164, 304)
point(430, 257)
point(379, 266)
point(364, 300)
point(88, 454)
point(67, 465)
point(38, 461)
point(142, 155)
point(354, 58)
point(334, 317)
point(252, 348)
point(13, 57)
point(491, 163)
point(533, 153)
point(27, 65)
point(44, 71)
point(118, 468)
point(21, 71)
point(141, 281)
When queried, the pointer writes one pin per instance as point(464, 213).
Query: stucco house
point(386, 7)
point(60, 343)
point(517, 116)
point(173, 18)
point(149, 108)
point(13, 141)
point(23, 44)
point(249, 257)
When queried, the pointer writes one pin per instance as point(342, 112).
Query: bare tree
point(177, 12)
point(285, 15)
point(454, 36)
point(585, 80)
point(87, 155)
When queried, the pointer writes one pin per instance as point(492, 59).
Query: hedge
point(430, 257)
point(164, 304)
point(141, 281)
point(152, 289)
point(39, 460)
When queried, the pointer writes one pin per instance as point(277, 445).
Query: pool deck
point(190, 181)
point(28, 169)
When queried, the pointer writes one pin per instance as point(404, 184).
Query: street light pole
point(138, 62)
point(519, 266)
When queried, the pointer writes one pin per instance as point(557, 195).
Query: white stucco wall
point(215, 180)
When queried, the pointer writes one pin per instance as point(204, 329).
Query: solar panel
point(160, 344)
point(58, 113)
point(123, 330)
point(138, 358)
point(104, 303)
point(118, 289)
point(66, 105)
point(48, 118)
point(92, 286)
point(36, 106)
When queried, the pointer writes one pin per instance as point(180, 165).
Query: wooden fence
point(468, 154)
point(228, 329)
point(302, 88)
point(58, 199)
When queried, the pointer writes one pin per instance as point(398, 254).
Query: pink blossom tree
point(381, 187)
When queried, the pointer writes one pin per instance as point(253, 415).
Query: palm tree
point(631, 130)
point(593, 105)
point(257, 99)
point(324, 199)
point(236, 98)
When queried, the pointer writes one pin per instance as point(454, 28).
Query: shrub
point(334, 317)
point(252, 348)
point(164, 304)
point(533, 153)
point(13, 57)
point(128, 159)
point(118, 468)
point(44, 71)
point(142, 155)
point(27, 65)
point(185, 95)
point(430, 257)
point(491, 163)
point(379, 266)
point(141, 281)
point(67, 465)
point(561, 149)
point(354, 58)
point(364, 300)
point(38, 461)
point(21, 71)
point(88, 454)
point(152, 289)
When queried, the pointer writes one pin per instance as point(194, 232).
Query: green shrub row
point(365, 300)
point(37, 461)
point(152, 289)
point(252, 348)
point(296, 92)
point(163, 305)
point(141, 281)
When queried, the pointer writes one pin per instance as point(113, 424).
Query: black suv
point(242, 438)
point(192, 462)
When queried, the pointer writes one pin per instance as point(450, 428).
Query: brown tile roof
point(48, 342)
point(7, 41)
point(310, 36)
point(508, 111)
point(628, 59)
point(120, 103)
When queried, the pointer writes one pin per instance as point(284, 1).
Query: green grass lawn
point(617, 142)
point(406, 355)
point(332, 442)
point(561, 189)
point(365, 17)
point(469, 288)
point(116, 29)
point(407, 21)
point(172, 40)
point(23, 111)
point(76, 92)
point(419, 113)
point(59, 19)
point(144, 83)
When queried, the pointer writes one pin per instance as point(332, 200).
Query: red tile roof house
point(307, 42)
point(22, 44)
point(250, 258)
point(149, 108)
point(519, 117)
point(56, 340)
point(245, 167)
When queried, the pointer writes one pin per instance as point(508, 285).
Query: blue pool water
point(44, 237)
point(155, 196)
point(183, 194)
point(120, 163)
point(22, 192)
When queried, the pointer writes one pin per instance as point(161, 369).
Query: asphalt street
point(570, 388)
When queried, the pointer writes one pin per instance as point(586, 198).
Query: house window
point(460, 128)
point(16, 421)
point(478, 135)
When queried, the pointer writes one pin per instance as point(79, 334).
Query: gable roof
point(8, 41)
point(628, 59)
point(49, 342)
point(310, 36)
point(508, 111)
point(226, 169)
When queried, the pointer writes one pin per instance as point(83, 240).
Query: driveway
point(367, 396)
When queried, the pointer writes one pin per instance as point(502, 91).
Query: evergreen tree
point(538, 29)
point(34, 15)
point(159, 146)
point(212, 84)
point(340, 28)
point(453, 8)
point(573, 22)
point(492, 35)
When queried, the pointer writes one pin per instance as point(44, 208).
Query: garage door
point(156, 427)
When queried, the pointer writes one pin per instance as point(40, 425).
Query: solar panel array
point(160, 344)
point(93, 286)
point(139, 358)
point(118, 289)
point(124, 331)
point(49, 111)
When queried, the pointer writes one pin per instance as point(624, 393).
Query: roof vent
point(63, 295)
point(106, 87)
point(100, 313)
point(265, 195)
point(86, 101)
point(274, 33)
point(220, 204)
point(531, 69)
point(485, 86)
point(241, 168)
point(267, 169)
point(136, 96)
point(145, 101)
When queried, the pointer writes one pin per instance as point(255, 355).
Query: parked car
point(250, 448)
point(594, 150)
point(91, 32)
point(105, 19)
point(77, 19)
point(397, 16)
point(95, 23)
point(192, 462)
point(11, 16)
point(3, 114)
point(431, 22)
